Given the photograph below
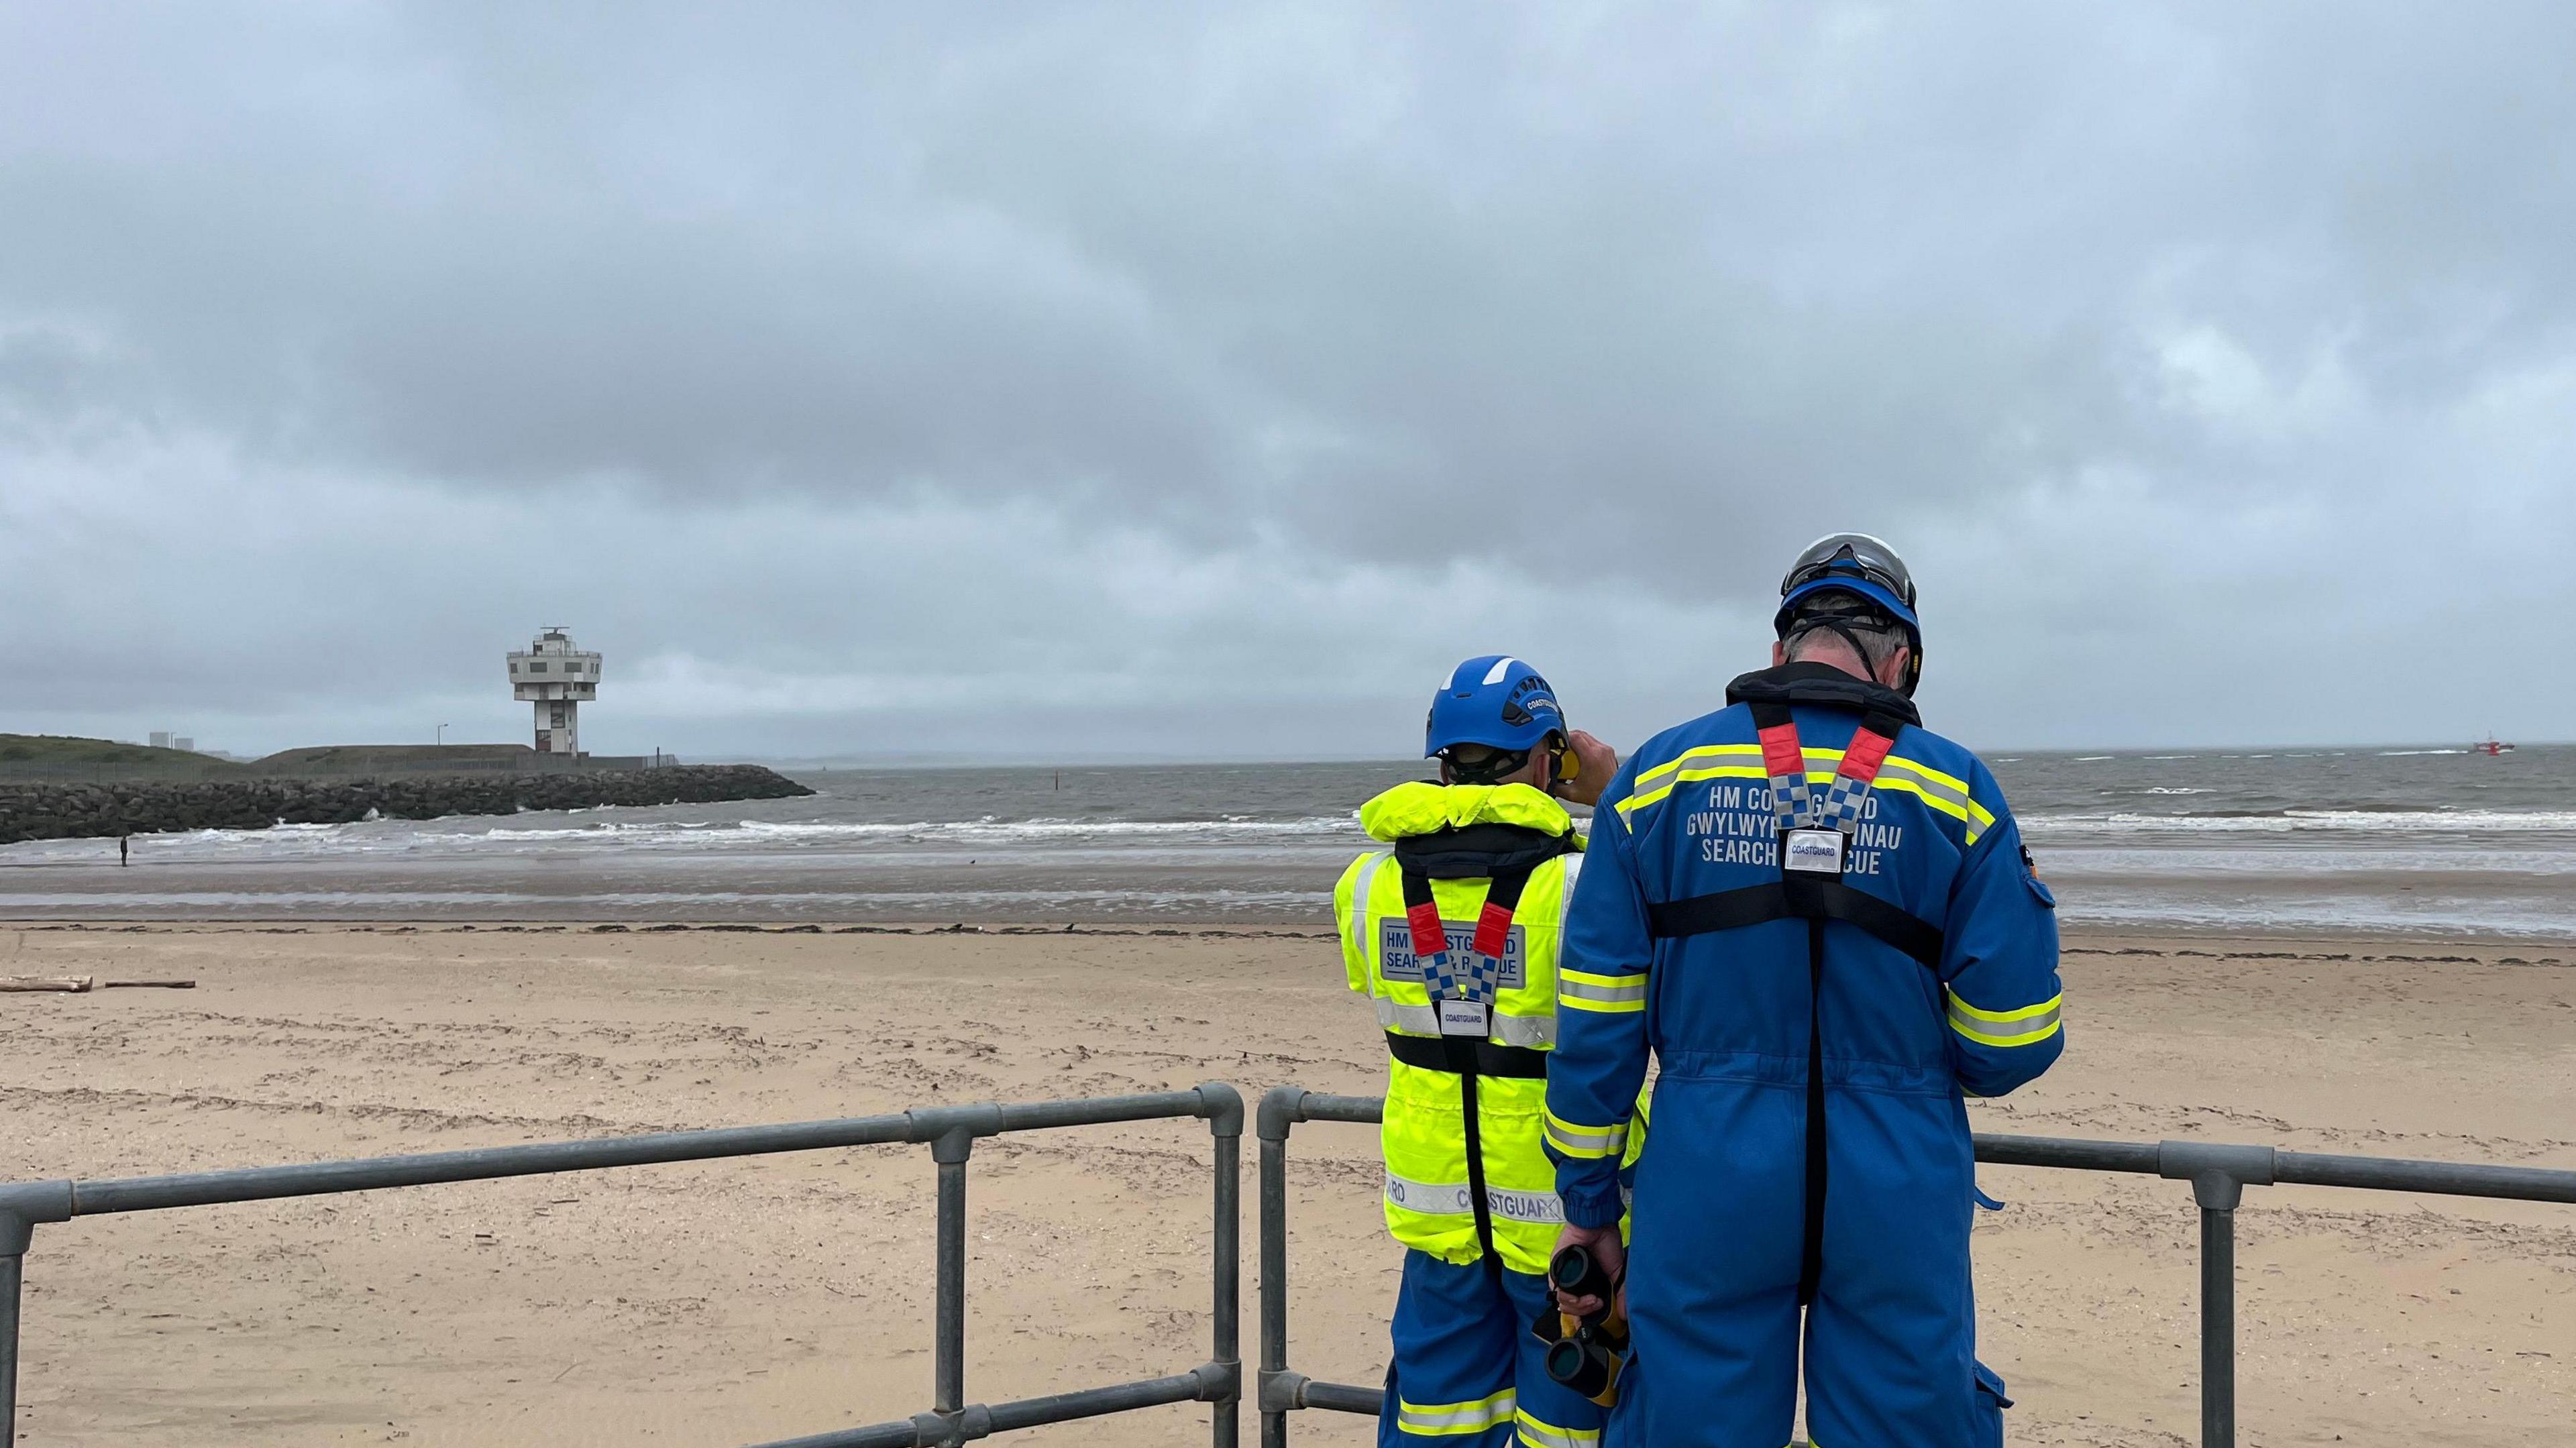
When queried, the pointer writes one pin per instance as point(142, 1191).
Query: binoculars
point(1585, 1354)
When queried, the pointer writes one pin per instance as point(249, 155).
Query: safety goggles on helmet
point(1851, 555)
point(1842, 578)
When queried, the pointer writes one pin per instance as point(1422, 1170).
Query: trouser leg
point(1449, 1383)
point(1713, 1270)
point(1891, 1338)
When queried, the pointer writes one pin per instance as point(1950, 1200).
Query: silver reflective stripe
point(1541, 1208)
point(1453, 1199)
point(1360, 901)
point(1412, 1020)
point(1937, 789)
point(1630, 988)
point(1985, 1028)
point(1548, 1435)
point(1538, 1033)
point(1577, 1141)
point(1448, 1418)
point(1435, 1199)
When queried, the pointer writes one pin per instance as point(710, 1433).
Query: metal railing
point(2219, 1175)
point(949, 1131)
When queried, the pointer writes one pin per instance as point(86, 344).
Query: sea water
point(2424, 840)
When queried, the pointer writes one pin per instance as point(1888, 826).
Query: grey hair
point(1878, 640)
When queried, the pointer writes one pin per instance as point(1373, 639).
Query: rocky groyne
point(68, 811)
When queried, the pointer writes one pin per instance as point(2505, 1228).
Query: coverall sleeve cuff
point(1591, 1204)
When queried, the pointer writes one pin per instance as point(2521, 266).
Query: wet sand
point(735, 1302)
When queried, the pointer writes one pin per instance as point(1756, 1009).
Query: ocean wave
point(2295, 821)
point(783, 904)
point(458, 836)
point(2409, 753)
point(988, 828)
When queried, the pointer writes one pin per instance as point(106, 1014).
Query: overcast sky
point(1206, 380)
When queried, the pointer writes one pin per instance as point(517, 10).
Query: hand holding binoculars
point(1586, 1353)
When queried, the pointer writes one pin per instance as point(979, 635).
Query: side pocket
point(1990, 1406)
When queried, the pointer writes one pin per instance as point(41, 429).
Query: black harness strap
point(1462, 1055)
point(1811, 1250)
point(1466, 1057)
point(1797, 899)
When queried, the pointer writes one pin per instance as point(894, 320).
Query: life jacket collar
point(1806, 682)
point(1422, 808)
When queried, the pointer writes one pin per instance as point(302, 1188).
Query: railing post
point(1225, 1126)
point(2219, 1175)
point(2217, 1311)
point(16, 1233)
point(948, 1348)
point(1280, 1108)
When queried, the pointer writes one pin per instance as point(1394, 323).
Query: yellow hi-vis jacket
point(1431, 1190)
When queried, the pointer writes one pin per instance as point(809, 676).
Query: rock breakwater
point(70, 811)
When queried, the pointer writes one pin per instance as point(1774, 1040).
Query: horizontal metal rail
point(2218, 1173)
point(949, 1131)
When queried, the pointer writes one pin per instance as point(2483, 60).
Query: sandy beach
point(736, 1302)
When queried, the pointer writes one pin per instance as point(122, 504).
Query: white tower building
point(556, 677)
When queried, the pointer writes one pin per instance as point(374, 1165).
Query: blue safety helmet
point(1865, 570)
point(1494, 700)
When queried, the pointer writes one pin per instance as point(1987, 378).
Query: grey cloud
point(2174, 320)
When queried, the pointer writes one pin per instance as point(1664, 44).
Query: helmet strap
point(1840, 624)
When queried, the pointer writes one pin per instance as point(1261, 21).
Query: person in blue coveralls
point(1819, 919)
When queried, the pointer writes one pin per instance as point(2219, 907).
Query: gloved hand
point(1607, 1250)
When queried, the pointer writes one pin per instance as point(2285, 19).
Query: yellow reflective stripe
point(1656, 777)
point(1577, 1140)
point(2022, 1027)
point(1902, 785)
point(1548, 1435)
point(1692, 765)
point(1945, 792)
point(1635, 802)
point(1640, 798)
point(1443, 1419)
point(1980, 820)
point(1583, 991)
point(1951, 782)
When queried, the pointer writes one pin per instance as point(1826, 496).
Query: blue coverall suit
point(1663, 953)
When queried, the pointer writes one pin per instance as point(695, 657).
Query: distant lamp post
point(441, 738)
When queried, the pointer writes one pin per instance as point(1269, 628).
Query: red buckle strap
point(1493, 930)
point(1782, 756)
point(1867, 752)
point(1430, 937)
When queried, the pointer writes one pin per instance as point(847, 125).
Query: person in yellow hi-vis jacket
point(1452, 932)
